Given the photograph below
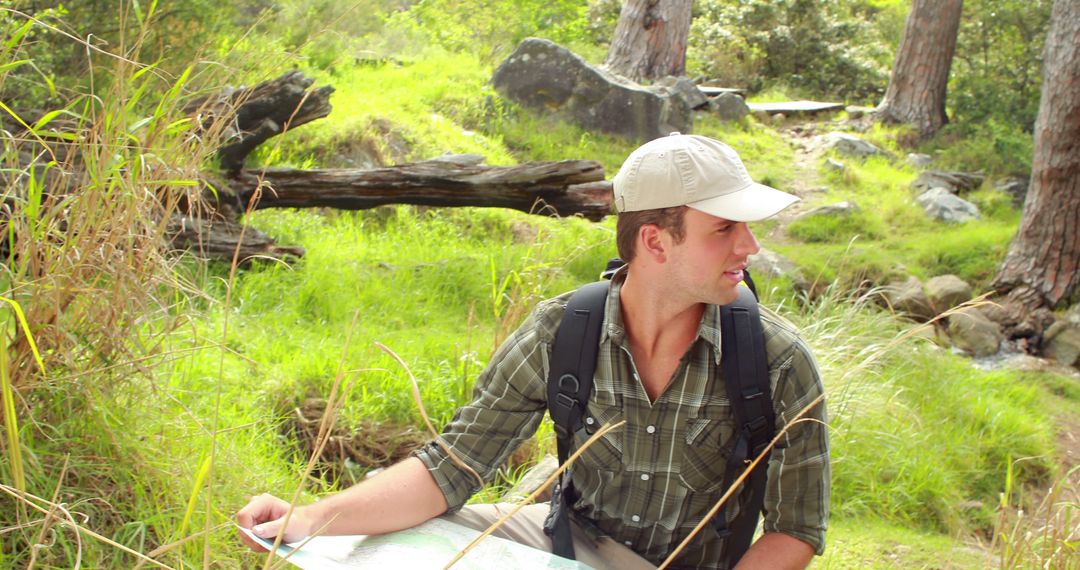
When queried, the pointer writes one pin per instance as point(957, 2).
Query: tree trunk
point(650, 39)
point(1042, 266)
point(916, 93)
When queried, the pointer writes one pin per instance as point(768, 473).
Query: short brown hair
point(629, 223)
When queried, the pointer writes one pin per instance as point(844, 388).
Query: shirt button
point(650, 429)
point(644, 476)
point(590, 421)
point(635, 518)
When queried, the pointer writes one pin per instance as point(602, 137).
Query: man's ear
point(651, 243)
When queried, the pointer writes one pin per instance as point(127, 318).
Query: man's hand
point(264, 516)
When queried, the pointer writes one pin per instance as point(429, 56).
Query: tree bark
point(1042, 266)
point(650, 39)
point(916, 92)
point(556, 188)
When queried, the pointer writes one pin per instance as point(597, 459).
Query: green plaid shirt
point(650, 482)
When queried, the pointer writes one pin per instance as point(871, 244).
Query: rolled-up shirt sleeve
point(509, 400)
point(797, 495)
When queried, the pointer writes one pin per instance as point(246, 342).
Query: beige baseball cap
point(695, 171)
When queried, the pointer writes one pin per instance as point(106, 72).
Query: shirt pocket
point(596, 467)
point(709, 438)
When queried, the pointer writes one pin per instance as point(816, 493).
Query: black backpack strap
point(570, 382)
point(745, 367)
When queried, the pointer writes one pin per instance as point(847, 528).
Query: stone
point(773, 265)
point(685, 89)
point(1014, 186)
point(731, 107)
point(994, 312)
point(946, 292)
point(532, 479)
point(1073, 315)
point(524, 232)
point(975, 334)
point(955, 182)
point(942, 205)
point(844, 208)
point(851, 145)
point(834, 165)
point(548, 77)
point(919, 160)
point(858, 111)
point(1062, 343)
point(909, 297)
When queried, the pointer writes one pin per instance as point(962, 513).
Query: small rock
point(910, 298)
point(730, 107)
point(779, 118)
point(994, 312)
point(834, 165)
point(532, 480)
point(850, 145)
point(773, 265)
point(838, 209)
point(686, 89)
point(858, 111)
point(954, 182)
point(919, 160)
point(524, 232)
point(947, 291)
point(1062, 343)
point(940, 204)
point(1015, 186)
point(975, 334)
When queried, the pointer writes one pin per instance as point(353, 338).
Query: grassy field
point(174, 388)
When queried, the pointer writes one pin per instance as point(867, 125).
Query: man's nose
point(746, 243)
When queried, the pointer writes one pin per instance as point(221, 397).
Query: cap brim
point(753, 203)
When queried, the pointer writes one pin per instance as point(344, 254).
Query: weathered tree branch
point(253, 115)
point(563, 188)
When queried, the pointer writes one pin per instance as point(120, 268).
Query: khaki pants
point(527, 527)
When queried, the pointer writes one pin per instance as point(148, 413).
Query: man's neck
point(659, 328)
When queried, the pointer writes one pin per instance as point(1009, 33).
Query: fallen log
point(568, 187)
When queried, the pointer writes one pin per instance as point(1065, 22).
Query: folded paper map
point(430, 545)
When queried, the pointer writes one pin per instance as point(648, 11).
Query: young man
point(683, 204)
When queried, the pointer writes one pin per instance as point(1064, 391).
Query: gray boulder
point(730, 107)
point(850, 145)
point(834, 165)
point(546, 76)
point(1062, 343)
point(686, 90)
point(955, 182)
point(919, 160)
point(910, 298)
point(773, 265)
point(830, 210)
point(975, 334)
point(858, 111)
point(947, 291)
point(940, 204)
point(1014, 186)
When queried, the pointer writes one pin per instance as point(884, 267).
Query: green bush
point(828, 48)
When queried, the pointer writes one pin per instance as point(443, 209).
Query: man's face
point(709, 263)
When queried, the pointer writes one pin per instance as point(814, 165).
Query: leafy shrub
point(827, 48)
point(996, 71)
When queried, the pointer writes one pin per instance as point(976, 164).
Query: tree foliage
point(827, 47)
point(996, 70)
